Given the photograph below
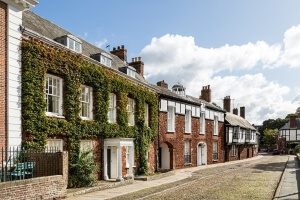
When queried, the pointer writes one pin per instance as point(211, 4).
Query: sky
point(248, 50)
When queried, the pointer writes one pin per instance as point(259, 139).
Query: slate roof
point(287, 125)
point(52, 31)
point(235, 120)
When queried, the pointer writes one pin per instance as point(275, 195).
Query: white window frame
point(75, 43)
point(131, 111)
point(171, 118)
point(86, 100)
point(54, 145)
point(112, 110)
point(146, 117)
point(105, 60)
point(187, 151)
point(233, 150)
point(188, 121)
point(215, 150)
point(216, 127)
point(202, 123)
point(130, 72)
point(56, 93)
point(86, 145)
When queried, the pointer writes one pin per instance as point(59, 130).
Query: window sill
point(86, 118)
point(202, 134)
point(187, 164)
point(127, 167)
point(49, 114)
point(171, 132)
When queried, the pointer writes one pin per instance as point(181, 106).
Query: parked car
point(276, 152)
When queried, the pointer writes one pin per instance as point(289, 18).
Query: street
point(248, 180)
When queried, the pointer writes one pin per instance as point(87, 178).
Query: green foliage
point(297, 148)
point(83, 170)
point(38, 59)
point(271, 124)
point(269, 136)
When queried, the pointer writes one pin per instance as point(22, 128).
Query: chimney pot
point(122, 47)
point(235, 111)
point(242, 112)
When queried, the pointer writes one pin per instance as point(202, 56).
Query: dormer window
point(131, 71)
point(179, 89)
point(105, 60)
point(70, 42)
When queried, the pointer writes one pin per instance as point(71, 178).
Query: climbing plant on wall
point(38, 59)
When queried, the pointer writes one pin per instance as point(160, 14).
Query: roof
point(207, 104)
point(235, 120)
point(287, 125)
point(52, 31)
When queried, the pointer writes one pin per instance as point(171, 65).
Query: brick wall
point(3, 68)
point(49, 187)
point(175, 141)
point(243, 152)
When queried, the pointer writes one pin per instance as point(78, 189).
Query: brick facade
point(3, 72)
point(175, 141)
point(242, 152)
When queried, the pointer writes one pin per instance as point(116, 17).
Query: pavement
point(290, 182)
point(139, 185)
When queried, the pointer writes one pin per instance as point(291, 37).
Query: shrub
point(83, 171)
point(297, 149)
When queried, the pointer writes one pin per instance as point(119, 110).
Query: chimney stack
point(242, 112)
point(121, 52)
point(138, 64)
point(162, 84)
point(235, 111)
point(206, 93)
point(293, 123)
point(226, 103)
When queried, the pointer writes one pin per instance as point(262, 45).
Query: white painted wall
point(14, 77)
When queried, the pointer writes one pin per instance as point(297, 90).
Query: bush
point(297, 149)
point(83, 171)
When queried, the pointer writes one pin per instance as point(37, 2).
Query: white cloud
point(176, 58)
point(291, 52)
point(101, 44)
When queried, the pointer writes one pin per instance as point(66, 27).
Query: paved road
point(255, 178)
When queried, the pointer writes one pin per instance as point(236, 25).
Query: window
point(187, 154)
point(86, 145)
point(202, 123)
point(105, 60)
point(54, 145)
point(215, 150)
point(74, 45)
point(216, 125)
point(131, 72)
point(53, 95)
point(130, 110)
point(171, 119)
point(86, 102)
point(147, 114)
point(188, 121)
point(112, 110)
point(233, 150)
point(235, 132)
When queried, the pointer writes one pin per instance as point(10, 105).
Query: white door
point(165, 156)
point(113, 163)
point(199, 156)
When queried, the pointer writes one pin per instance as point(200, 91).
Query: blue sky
point(246, 49)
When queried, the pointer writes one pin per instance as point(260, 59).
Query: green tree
point(271, 124)
point(269, 136)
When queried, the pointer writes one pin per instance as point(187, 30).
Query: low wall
point(49, 187)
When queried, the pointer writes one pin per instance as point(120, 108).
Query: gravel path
point(248, 180)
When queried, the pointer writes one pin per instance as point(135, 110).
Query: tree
point(269, 136)
point(271, 124)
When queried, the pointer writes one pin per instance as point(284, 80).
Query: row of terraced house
point(58, 90)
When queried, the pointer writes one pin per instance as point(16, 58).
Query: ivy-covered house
point(76, 96)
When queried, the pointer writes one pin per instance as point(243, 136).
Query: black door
point(108, 162)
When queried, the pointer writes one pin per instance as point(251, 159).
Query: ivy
point(38, 59)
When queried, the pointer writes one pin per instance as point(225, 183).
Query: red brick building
point(191, 130)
